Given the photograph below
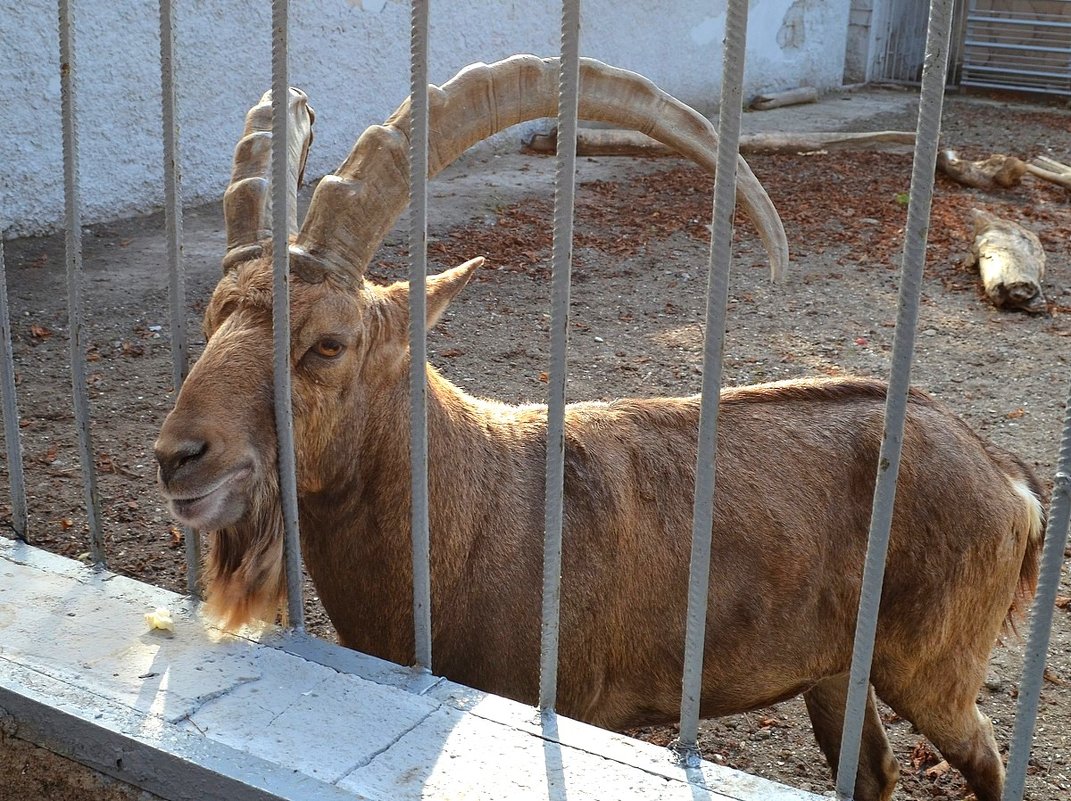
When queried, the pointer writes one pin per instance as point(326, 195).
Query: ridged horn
point(247, 201)
point(354, 209)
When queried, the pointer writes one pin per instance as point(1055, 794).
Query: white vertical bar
point(717, 302)
point(935, 68)
point(418, 339)
point(561, 268)
point(173, 226)
point(74, 281)
point(284, 421)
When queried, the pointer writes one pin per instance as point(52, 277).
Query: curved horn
point(354, 209)
point(247, 201)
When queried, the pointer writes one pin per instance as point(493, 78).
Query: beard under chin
point(244, 578)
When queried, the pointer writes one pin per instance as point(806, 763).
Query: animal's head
point(217, 448)
point(349, 337)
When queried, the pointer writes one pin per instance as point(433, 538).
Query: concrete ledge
point(202, 715)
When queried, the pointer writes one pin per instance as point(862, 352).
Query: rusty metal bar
point(561, 270)
point(914, 257)
point(173, 227)
point(8, 396)
point(1037, 646)
point(284, 418)
point(418, 335)
point(75, 310)
point(721, 244)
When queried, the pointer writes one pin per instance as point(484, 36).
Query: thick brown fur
point(796, 464)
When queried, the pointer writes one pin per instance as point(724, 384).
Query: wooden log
point(603, 142)
point(1050, 170)
point(1010, 260)
point(1050, 164)
point(614, 142)
point(792, 142)
point(791, 97)
point(997, 170)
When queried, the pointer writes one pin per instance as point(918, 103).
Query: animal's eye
point(328, 348)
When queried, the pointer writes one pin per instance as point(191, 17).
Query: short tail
point(1033, 521)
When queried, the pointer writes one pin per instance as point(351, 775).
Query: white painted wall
point(351, 56)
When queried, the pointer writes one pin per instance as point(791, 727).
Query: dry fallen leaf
point(938, 770)
point(1016, 414)
point(1052, 678)
point(922, 756)
point(40, 332)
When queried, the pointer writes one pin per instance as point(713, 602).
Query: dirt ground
point(636, 330)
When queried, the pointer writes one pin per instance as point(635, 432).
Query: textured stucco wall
point(351, 56)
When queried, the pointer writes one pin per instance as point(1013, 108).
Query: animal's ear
point(442, 288)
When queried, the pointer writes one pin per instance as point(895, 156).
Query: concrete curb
point(203, 715)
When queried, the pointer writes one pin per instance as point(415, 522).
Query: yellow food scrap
point(160, 618)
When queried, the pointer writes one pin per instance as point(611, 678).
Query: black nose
point(174, 455)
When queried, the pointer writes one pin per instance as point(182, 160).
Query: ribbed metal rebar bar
point(284, 420)
point(561, 270)
point(1037, 645)
point(721, 243)
point(173, 227)
point(8, 397)
point(418, 339)
point(73, 221)
point(935, 68)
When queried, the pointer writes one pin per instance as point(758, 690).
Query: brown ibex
point(796, 461)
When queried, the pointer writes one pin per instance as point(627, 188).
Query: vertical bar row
point(12, 437)
point(935, 68)
point(73, 218)
point(418, 340)
point(1037, 645)
point(721, 242)
point(173, 226)
point(284, 420)
point(561, 269)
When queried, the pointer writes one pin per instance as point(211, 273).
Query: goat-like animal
point(796, 473)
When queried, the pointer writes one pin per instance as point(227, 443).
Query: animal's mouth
point(219, 506)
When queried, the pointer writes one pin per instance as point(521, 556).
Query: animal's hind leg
point(878, 769)
point(962, 734)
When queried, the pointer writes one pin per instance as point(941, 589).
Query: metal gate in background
point(899, 42)
point(1021, 45)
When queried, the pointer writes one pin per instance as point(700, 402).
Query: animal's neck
point(357, 537)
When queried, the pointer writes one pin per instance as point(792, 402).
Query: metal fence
point(900, 41)
point(1017, 45)
point(933, 73)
